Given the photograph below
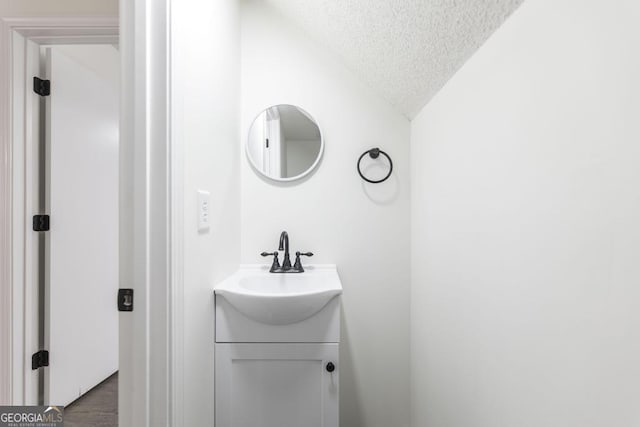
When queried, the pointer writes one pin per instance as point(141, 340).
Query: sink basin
point(277, 298)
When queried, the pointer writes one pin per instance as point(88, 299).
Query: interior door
point(274, 147)
point(276, 385)
point(82, 135)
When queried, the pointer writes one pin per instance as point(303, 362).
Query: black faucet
point(284, 246)
point(286, 263)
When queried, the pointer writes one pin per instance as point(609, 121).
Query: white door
point(274, 146)
point(276, 385)
point(82, 131)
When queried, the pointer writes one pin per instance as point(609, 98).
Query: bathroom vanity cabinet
point(276, 385)
point(275, 367)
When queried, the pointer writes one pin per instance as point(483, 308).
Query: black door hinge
point(42, 87)
point(267, 141)
point(41, 223)
point(125, 299)
point(39, 359)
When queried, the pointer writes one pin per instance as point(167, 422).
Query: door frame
point(151, 181)
point(23, 309)
point(17, 286)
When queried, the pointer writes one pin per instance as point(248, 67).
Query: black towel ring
point(374, 153)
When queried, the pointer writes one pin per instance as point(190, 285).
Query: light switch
point(204, 210)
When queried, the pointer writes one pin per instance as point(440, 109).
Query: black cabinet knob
point(331, 367)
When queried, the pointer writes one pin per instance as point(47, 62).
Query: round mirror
point(285, 143)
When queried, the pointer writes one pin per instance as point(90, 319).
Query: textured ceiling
point(404, 49)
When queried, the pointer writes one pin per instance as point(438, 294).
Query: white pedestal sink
point(277, 348)
point(280, 298)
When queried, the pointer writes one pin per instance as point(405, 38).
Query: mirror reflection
point(284, 143)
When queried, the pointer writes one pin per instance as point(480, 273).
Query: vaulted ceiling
point(404, 49)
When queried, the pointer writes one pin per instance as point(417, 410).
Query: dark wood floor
point(97, 408)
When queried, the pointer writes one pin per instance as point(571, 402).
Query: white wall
point(102, 60)
point(205, 67)
point(525, 207)
point(364, 229)
point(298, 155)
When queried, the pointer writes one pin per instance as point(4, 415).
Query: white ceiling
point(404, 49)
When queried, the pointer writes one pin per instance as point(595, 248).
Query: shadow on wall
point(351, 412)
point(384, 193)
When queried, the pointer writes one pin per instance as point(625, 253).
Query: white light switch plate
point(204, 210)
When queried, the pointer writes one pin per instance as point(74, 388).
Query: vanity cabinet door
point(276, 385)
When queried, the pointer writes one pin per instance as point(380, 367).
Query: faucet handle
point(297, 266)
point(276, 264)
